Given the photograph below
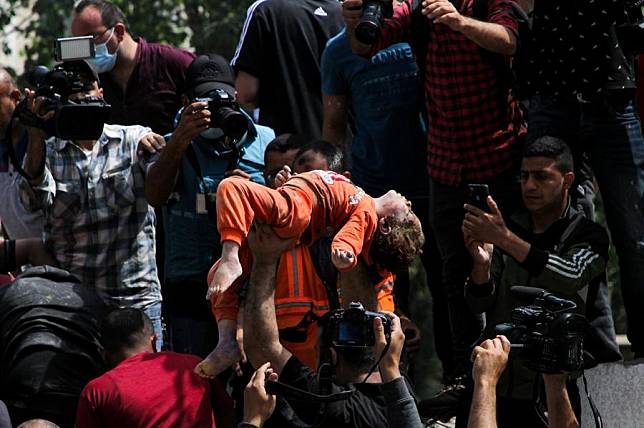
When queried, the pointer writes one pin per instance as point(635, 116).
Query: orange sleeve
point(356, 234)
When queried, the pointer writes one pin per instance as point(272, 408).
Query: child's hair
point(397, 249)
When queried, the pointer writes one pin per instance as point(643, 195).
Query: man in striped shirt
point(548, 245)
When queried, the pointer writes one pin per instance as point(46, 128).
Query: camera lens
point(368, 28)
point(233, 123)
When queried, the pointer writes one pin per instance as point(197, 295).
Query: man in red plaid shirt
point(475, 127)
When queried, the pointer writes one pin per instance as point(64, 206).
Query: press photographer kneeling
point(551, 246)
point(351, 386)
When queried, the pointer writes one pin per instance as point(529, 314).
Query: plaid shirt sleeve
point(397, 28)
point(39, 196)
point(500, 12)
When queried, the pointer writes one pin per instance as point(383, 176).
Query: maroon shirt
point(474, 125)
point(148, 390)
point(153, 94)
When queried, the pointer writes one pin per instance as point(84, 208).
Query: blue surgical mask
point(104, 61)
point(212, 134)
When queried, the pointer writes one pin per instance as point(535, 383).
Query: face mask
point(212, 133)
point(104, 61)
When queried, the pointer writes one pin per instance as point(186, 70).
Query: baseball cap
point(207, 73)
point(81, 66)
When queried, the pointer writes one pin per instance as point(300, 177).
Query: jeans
point(610, 135)
point(154, 313)
point(446, 219)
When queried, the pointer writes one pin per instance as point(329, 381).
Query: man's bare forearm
point(483, 410)
point(34, 158)
point(261, 337)
point(492, 37)
point(162, 176)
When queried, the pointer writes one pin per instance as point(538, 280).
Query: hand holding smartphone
point(477, 196)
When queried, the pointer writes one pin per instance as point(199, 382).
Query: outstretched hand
point(342, 259)
point(489, 360)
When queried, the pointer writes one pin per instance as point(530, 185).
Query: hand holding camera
point(443, 12)
point(390, 362)
point(195, 119)
point(489, 360)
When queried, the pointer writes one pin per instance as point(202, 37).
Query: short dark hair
point(285, 142)
point(551, 147)
point(397, 249)
point(111, 14)
point(330, 152)
point(125, 329)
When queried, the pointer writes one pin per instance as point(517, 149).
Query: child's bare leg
point(228, 271)
point(225, 355)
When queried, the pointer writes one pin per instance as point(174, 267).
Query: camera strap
point(599, 423)
point(191, 156)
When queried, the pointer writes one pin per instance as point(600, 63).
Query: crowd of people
point(234, 248)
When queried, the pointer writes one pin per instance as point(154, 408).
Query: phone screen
point(477, 196)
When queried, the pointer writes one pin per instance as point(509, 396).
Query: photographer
point(183, 179)
point(17, 222)
point(365, 408)
point(98, 224)
point(547, 245)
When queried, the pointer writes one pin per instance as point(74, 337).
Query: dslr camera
point(546, 334)
point(80, 119)
point(225, 114)
point(631, 32)
point(373, 17)
point(353, 327)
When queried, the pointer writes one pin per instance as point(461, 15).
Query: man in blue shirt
point(184, 179)
point(383, 95)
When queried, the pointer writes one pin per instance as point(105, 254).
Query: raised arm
point(162, 174)
point(498, 37)
point(261, 338)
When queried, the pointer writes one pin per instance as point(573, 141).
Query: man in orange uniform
point(309, 206)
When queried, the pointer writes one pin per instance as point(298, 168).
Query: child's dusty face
point(396, 205)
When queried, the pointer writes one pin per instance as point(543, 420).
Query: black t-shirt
point(281, 44)
point(576, 49)
point(365, 408)
point(49, 341)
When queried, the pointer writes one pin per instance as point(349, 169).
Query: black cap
point(82, 66)
point(207, 73)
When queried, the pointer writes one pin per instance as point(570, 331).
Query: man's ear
point(15, 96)
point(347, 174)
point(119, 31)
point(383, 227)
point(334, 357)
point(569, 179)
point(153, 343)
point(100, 92)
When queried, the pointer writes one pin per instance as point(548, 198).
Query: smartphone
point(477, 196)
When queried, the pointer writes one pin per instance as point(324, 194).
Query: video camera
point(373, 17)
point(225, 114)
point(353, 327)
point(631, 32)
point(546, 334)
point(73, 119)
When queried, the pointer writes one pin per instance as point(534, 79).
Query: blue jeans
point(607, 130)
point(154, 313)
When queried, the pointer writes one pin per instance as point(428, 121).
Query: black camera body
point(353, 327)
point(545, 333)
point(225, 114)
point(374, 13)
point(631, 32)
